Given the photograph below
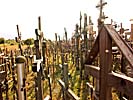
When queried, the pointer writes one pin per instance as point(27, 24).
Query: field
point(11, 47)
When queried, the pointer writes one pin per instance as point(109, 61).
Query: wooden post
point(3, 75)
point(27, 68)
point(131, 36)
point(77, 47)
point(105, 44)
point(80, 26)
point(43, 55)
point(39, 82)
point(65, 72)
point(1, 97)
point(85, 33)
point(65, 34)
point(13, 76)
point(66, 75)
point(57, 56)
point(6, 81)
point(62, 62)
point(38, 45)
point(50, 90)
point(39, 23)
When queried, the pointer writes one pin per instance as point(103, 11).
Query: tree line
point(29, 41)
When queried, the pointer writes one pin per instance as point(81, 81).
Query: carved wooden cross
point(101, 16)
point(101, 7)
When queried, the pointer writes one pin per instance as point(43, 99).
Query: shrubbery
point(2, 40)
point(29, 41)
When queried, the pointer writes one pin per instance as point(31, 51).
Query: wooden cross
point(101, 7)
point(19, 39)
point(114, 23)
point(3, 75)
point(122, 30)
point(101, 16)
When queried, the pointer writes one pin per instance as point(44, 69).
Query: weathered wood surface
point(120, 42)
point(93, 53)
point(3, 75)
point(69, 92)
point(107, 78)
point(122, 83)
point(105, 52)
point(92, 70)
point(92, 90)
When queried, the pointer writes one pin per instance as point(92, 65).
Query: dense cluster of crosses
point(97, 59)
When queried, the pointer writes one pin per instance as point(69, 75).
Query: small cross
point(122, 30)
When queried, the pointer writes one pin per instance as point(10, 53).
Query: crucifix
point(101, 16)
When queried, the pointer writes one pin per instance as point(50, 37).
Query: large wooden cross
point(101, 7)
point(101, 16)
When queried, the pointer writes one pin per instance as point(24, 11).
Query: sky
point(56, 14)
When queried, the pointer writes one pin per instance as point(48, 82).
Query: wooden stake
point(106, 64)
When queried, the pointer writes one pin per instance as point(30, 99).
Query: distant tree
point(29, 41)
point(10, 41)
point(2, 40)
